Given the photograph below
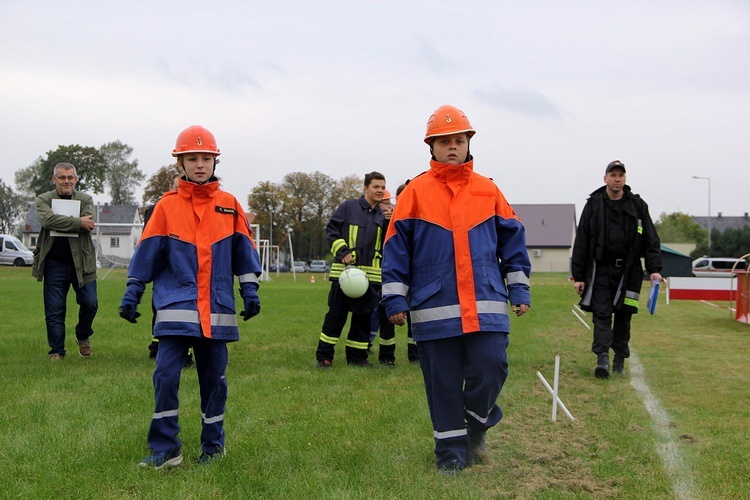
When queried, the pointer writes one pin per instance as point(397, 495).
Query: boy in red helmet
point(454, 258)
point(196, 241)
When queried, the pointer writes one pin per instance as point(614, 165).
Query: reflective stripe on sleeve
point(248, 278)
point(395, 289)
point(517, 277)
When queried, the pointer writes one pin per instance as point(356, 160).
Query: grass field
point(77, 429)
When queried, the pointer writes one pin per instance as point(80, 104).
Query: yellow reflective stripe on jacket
point(353, 231)
point(377, 260)
point(337, 245)
point(631, 299)
point(373, 273)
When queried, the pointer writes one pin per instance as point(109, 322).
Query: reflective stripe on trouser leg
point(358, 339)
point(165, 427)
point(333, 323)
point(387, 350)
point(211, 363)
point(485, 372)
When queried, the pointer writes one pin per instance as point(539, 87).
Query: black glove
point(252, 307)
point(129, 313)
point(131, 299)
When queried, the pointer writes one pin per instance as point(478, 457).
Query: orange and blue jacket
point(453, 244)
point(195, 242)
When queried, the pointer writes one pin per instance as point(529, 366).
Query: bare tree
point(158, 184)
point(303, 203)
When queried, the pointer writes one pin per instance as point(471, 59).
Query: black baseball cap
point(615, 164)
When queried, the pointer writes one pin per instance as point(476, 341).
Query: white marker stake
point(580, 318)
point(562, 405)
point(555, 384)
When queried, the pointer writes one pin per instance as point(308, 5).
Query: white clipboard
point(71, 208)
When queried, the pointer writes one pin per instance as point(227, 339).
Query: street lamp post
point(709, 210)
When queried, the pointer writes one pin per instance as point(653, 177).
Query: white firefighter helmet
point(354, 282)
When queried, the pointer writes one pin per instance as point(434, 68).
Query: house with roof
point(723, 222)
point(117, 230)
point(550, 232)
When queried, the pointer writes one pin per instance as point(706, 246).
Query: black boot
point(477, 449)
point(602, 366)
point(618, 365)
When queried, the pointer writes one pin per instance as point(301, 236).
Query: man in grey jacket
point(65, 256)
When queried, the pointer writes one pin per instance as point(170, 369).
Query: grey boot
point(618, 365)
point(477, 450)
point(602, 366)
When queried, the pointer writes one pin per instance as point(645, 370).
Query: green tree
point(25, 178)
point(158, 184)
point(90, 164)
point(680, 228)
point(13, 207)
point(122, 175)
point(728, 243)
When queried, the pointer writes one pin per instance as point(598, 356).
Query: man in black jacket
point(614, 233)
point(356, 233)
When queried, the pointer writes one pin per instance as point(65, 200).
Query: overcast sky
point(555, 89)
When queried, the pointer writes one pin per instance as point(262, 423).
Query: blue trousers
point(463, 377)
point(58, 278)
point(210, 362)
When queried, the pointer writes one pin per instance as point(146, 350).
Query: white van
point(13, 252)
point(717, 266)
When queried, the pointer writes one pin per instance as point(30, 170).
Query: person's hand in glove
point(252, 308)
point(249, 293)
point(131, 299)
point(129, 313)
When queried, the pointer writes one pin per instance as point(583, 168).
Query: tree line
point(681, 228)
point(300, 205)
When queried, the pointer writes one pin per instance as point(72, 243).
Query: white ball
point(354, 282)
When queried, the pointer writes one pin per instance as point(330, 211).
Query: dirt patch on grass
point(535, 455)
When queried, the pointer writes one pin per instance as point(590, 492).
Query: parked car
point(319, 266)
point(717, 266)
point(300, 266)
point(282, 268)
point(13, 252)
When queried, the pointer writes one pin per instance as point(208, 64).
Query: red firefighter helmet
point(196, 139)
point(447, 120)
